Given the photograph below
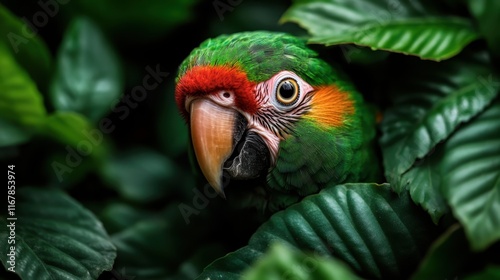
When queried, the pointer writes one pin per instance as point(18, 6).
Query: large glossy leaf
point(56, 238)
point(470, 168)
point(282, 262)
point(409, 27)
point(20, 101)
point(486, 13)
point(376, 232)
point(88, 77)
point(26, 46)
point(465, 172)
point(430, 101)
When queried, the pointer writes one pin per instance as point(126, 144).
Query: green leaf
point(376, 232)
point(118, 216)
point(464, 171)
point(281, 262)
point(20, 101)
point(470, 168)
point(75, 131)
point(88, 77)
point(447, 257)
point(26, 46)
point(141, 175)
point(56, 238)
point(12, 134)
point(486, 13)
point(409, 27)
point(424, 183)
point(83, 147)
point(430, 101)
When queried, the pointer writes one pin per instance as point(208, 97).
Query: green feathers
point(261, 55)
point(312, 158)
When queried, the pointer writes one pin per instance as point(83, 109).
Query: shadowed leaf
point(56, 238)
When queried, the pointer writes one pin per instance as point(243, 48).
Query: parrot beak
point(224, 146)
point(214, 131)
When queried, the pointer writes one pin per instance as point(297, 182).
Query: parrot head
point(264, 105)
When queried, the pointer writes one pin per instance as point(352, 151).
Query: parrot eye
point(287, 92)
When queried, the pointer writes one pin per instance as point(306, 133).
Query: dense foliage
point(92, 141)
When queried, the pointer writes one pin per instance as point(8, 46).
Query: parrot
point(264, 110)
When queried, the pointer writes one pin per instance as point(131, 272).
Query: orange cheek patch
point(330, 106)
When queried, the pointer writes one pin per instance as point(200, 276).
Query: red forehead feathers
point(205, 80)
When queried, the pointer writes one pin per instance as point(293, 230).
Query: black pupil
point(287, 90)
